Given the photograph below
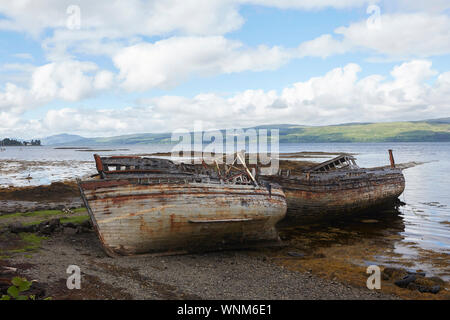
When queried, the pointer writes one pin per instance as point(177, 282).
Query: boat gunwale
point(110, 192)
point(123, 182)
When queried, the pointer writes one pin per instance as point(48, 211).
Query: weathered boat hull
point(132, 218)
point(314, 196)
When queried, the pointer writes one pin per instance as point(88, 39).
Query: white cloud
point(167, 62)
point(401, 35)
point(338, 96)
point(193, 45)
point(14, 99)
point(115, 29)
point(135, 17)
point(432, 6)
point(311, 4)
point(105, 26)
point(86, 120)
point(17, 73)
point(331, 92)
point(8, 121)
point(124, 18)
point(410, 29)
point(25, 56)
point(103, 80)
point(22, 67)
point(441, 90)
point(323, 46)
point(68, 80)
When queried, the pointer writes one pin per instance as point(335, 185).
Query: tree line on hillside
point(13, 142)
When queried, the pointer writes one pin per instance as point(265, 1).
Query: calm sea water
point(425, 219)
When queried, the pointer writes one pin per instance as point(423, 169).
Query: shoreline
point(312, 264)
point(55, 196)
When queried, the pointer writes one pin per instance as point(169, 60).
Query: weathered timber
point(318, 195)
point(391, 158)
point(336, 187)
point(132, 218)
point(149, 205)
point(340, 162)
point(133, 164)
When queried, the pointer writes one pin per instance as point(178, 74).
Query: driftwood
point(7, 270)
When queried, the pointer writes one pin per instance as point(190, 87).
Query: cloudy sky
point(102, 68)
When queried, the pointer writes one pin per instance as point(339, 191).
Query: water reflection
point(346, 229)
point(387, 237)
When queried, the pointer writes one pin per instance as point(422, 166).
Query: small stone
point(17, 227)
point(295, 254)
point(413, 286)
point(435, 289)
point(405, 281)
point(69, 225)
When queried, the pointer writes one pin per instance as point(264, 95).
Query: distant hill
point(62, 139)
point(441, 120)
point(429, 131)
point(433, 130)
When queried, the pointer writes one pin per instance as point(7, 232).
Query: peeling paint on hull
point(169, 218)
point(339, 192)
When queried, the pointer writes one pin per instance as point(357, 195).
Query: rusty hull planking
point(316, 195)
point(132, 218)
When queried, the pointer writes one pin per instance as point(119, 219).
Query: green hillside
point(436, 130)
point(144, 138)
point(373, 132)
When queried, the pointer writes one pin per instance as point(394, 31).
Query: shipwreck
point(150, 205)
point(337, 187)
point(316, 191)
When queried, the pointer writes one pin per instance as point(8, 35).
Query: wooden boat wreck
point(334, 188)
point(150, 205)
point(337, 187)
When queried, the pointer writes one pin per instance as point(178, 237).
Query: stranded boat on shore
point(148, 205)
point(337, 187)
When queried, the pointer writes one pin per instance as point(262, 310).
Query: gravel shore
point(218, 275)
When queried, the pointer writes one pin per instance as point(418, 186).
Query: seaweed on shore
point(53, 192)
